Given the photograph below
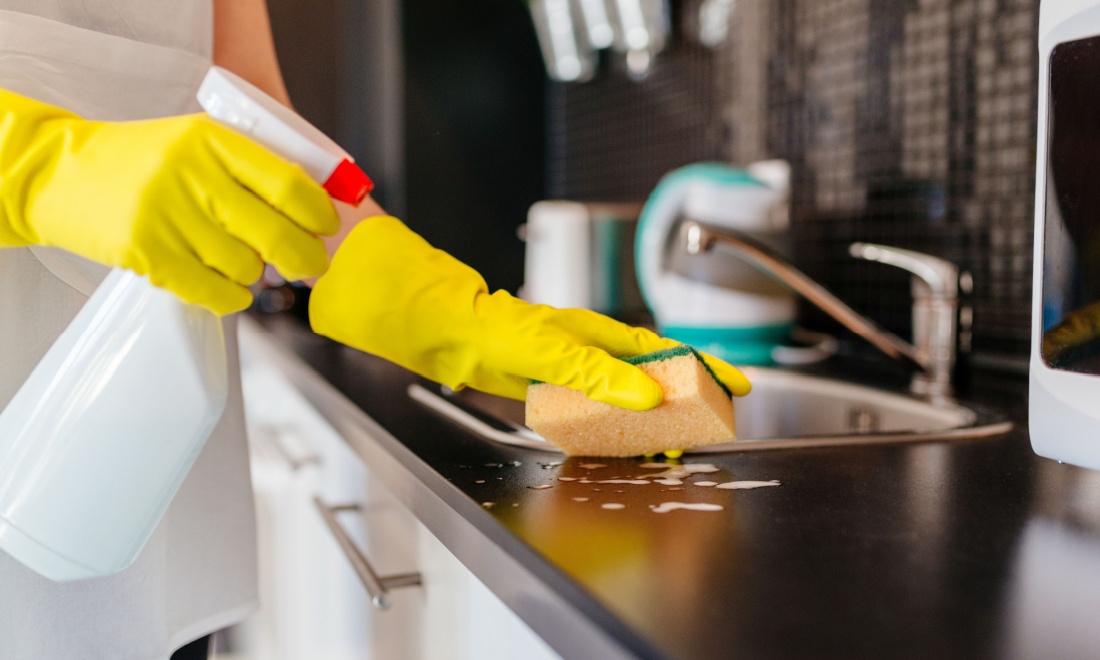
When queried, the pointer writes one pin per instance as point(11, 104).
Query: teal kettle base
point(749, 345)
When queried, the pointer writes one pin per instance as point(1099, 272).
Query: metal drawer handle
point(296, 462)
point(377, 587)
point(273, 434)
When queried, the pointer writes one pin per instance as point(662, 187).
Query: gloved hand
point(390, 293)
point(192, 205)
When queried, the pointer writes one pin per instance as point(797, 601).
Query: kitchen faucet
point(940, 325)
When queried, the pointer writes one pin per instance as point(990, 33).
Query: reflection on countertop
point(976, 549)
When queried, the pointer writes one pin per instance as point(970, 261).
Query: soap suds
point(672, 506)
point(747, 485)
point(677, 471)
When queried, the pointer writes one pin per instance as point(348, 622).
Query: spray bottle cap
point(234, 101)
point(348, 183)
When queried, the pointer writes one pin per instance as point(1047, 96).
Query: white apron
point(116, 60)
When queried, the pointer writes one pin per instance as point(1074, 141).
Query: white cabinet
point(462, 619)
point(313, 604)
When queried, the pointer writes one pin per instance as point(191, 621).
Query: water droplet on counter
point(613, 506)
point(542, 487)
point(515, 504)
point(696, 506)
point(678, 471)
point(580, 499)
point(591, 466)
point(700, 468)
point(669, 482)
point(706, 483)
point(550, 466)
point(585, 481)
point(516, 463)
point(496, 465)
point(747, 485)
point(488, 505)
point(567, 479)
point(636, 482)
point(480, 481)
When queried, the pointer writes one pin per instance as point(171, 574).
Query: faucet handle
point(941, 321)
point(940, 276)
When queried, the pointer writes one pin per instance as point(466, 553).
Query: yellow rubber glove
point(390, 293)
point(192, 205)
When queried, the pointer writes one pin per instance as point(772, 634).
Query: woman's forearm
point(244, 45)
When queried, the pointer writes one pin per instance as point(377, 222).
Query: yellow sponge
point(697, 410)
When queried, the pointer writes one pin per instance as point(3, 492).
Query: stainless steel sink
point(784, 410)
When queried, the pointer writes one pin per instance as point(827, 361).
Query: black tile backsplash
point(907, 122)
point(612, 139)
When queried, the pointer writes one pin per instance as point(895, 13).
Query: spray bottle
point(97, 441)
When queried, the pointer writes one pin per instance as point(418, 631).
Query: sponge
point(697, 410)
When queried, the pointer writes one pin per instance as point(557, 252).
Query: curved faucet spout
point(698, 238)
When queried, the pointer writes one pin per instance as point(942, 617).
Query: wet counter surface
point(973, 549)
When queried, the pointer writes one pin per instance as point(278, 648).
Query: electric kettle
point(718, 303)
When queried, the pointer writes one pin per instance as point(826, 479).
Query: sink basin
point(784, 410)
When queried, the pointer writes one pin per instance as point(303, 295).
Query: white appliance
point(1065, 345)
point(97, 441)
point(581, 254)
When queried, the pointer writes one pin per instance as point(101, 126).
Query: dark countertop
point(973, 549)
